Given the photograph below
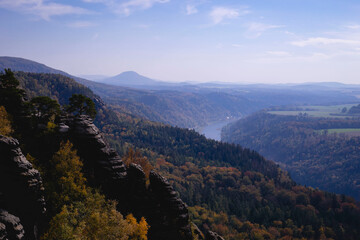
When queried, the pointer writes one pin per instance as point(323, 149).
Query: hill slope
point(230, 189)
point(192, 106)
point(303, 146)
point(25, 65)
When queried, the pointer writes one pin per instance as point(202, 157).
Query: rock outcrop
point(103, 164)
point(213, 236)
point(10, 227)
point(138, 196)
point(171, 220)
point(158, 203)
point(22, 202)
point(21, 189)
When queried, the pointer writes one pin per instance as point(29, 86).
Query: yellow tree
point(5, 124)
point(65, 181)
point(82, 213)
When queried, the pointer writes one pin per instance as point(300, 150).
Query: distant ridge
point(25, 65)
point(131, 78)
point(125, 79)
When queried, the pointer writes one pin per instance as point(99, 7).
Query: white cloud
point(191, 9)
point(94, 1)
point(324, 41)
point(143, 26)
point(256, 29)
point(219, 14)
point(279, 53)
point(235, 45)
point(41, 8)
point(128, 7)
point(355, 26)
point(82, 24)
point(95, 36)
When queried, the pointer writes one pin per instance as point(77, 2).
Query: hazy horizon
point(249, 41)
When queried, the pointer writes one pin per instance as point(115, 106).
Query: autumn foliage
point(5, 124)
point(80, 212)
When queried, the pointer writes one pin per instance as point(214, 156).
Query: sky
point(242, 41)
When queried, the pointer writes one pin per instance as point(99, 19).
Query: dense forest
point(74, 208)
point(185, 108)
point(229, 189)
point(305, 147)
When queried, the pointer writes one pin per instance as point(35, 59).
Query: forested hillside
point(195, 105)
point(175, 107)
point(48, 194)
point(308, 147)
point(229, 189)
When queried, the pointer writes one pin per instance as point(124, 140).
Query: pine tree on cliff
point(80, 104)
point(11, 97)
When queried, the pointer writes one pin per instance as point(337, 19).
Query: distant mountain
point(93, 77)
point(192, 105)
point(25, 65)
point(177, 108)
point(130, 79)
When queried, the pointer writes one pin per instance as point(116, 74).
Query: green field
point(317, 111)
point(346, 131)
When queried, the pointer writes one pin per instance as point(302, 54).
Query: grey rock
point(10, 227)
point(166, 213)
point(21, 187)
point(101, 161)
point(172, 218)
point(213, 236)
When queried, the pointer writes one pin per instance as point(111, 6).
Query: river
point(213, 130)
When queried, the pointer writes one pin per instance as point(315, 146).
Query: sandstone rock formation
point(213, 236)
point(22, 203)
point(172, 218)
point(10, 227)
point(102, 163)
point(158, 203)
point(21, 189)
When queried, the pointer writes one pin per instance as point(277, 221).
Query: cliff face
point(171, 212)
point(22, 204)
point(21, 193)
point(103, 165)
point(158, 203)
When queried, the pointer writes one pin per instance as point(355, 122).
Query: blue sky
point(244, 41)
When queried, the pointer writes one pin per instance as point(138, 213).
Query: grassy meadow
point(333, 111)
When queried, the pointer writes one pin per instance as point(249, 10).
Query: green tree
point(44, 109)
point(80, 104)
point(11, 97)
